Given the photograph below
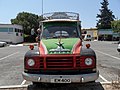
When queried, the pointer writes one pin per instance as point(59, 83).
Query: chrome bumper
point(81, 78)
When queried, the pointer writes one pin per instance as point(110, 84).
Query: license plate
point(61, 80)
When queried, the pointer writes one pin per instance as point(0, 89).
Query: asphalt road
point(11, 63)
point(108, 60)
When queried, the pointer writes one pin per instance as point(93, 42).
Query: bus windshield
point(60, 30)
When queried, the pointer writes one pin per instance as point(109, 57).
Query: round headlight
point(31, 62)
point(88, 61)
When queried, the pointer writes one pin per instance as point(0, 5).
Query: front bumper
point(48, 78)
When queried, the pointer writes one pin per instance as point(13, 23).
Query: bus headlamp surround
point(88, 61)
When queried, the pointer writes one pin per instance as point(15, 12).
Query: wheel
point(39, 84)
point(118, 50)
point(91, 82)
point(3, 45)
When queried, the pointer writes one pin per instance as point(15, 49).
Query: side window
point(15, 30)
point(16, 34)
point(10, 29)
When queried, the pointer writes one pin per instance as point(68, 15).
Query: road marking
point(108, 55)
point(9, 56)
point(16, 45)
point(106, 83)
point(13, 87)
point(103, 78)
point(23, 82)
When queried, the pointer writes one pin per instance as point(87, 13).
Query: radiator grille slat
point(60, 62)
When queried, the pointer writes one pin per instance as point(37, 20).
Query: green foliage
point(27, 20)
point(116, 26)
point(105, 16)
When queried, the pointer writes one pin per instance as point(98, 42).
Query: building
point(11, 33)
point(108, 34)
point(102, 34)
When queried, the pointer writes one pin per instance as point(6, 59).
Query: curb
point(35, 44)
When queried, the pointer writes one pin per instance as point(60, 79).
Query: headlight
point(88, 61)
point(31, 62)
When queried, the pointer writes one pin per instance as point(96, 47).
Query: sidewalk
point(27, 44)
point(22, 44)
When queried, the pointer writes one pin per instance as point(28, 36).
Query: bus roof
point(61, 15)
point(60, 20)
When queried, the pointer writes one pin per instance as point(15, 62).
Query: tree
point(116, 27)
point(27, 20)
point(105, 16)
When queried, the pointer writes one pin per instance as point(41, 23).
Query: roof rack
point(61, 15)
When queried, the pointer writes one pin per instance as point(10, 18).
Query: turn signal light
point(87, 45)
point(31, 47)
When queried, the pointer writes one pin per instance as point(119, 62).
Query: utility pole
point(41, 13)
point(42, 8)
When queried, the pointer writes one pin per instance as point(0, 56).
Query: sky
point(87, 9)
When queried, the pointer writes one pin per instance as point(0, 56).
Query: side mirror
point(32, 31)
point(38, 35)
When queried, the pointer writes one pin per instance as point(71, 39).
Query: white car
point(2, 44)
point(118, 48)
point(86, 37)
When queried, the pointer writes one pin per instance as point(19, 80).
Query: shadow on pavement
point(84, 86)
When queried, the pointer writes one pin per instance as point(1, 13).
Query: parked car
point(118, 42)
point(86, 37)
point(118, 48)
point(2, 43)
